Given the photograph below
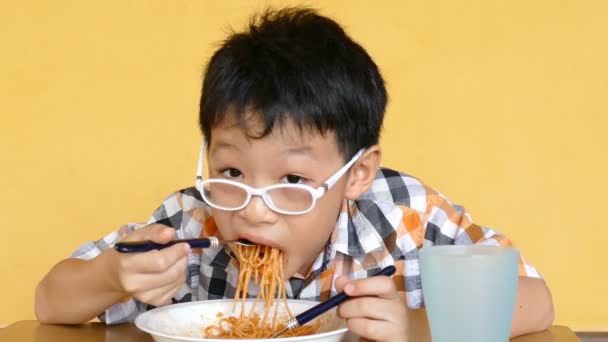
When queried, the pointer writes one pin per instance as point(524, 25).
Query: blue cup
point(469, 292)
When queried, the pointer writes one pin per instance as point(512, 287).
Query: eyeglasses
point(288, 199)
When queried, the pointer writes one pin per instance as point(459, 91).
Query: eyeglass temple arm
point(199, 168)
point(333, 179)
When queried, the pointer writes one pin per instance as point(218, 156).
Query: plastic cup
point(469, 291)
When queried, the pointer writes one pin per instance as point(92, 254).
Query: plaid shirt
point(386, 226)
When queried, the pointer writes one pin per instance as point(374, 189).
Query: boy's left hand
point(378, 313)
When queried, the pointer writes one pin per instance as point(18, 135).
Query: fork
point(147, 245)
point(321, 308)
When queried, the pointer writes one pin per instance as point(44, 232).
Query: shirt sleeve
point(120, 312)
point(168, 213)
point(449, 223)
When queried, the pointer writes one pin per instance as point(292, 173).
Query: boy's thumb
point(163, 234)
point(341, 282)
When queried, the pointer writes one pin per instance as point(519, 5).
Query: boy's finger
point(372, 308)
point(172, 292)
point(140, 282)
point(158, 296)
point(373, 329)
point(380, 286)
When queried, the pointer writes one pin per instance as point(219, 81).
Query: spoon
point(145, 246)
point(320, 308)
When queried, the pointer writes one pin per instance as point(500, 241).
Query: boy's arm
point(533, 307)
point(533, 304)
point(75, 290)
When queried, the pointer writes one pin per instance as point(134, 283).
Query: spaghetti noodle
point(263, 265)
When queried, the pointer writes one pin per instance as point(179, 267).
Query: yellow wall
point(501, 105)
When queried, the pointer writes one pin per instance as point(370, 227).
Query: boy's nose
point(257, 212)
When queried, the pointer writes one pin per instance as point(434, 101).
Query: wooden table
point(25, 331)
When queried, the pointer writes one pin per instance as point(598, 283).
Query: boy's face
point(286, 155)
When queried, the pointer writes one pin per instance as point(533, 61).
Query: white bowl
point(186, 321)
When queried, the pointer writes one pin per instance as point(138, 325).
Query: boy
point(292, 108)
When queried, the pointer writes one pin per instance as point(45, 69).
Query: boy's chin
point(301, 270)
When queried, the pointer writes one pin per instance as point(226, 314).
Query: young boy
point(291, 111)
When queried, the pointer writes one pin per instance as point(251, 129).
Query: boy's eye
point(293, 179)
point(231, 172)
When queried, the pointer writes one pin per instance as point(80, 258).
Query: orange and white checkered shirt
point(386, 226)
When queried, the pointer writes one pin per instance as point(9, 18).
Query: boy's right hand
point(152, 277)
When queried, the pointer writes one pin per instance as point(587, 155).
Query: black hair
point(294, 65)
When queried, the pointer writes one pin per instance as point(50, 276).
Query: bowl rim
point(140, 325)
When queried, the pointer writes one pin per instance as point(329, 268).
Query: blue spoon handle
point(334, 301)
point(145, 246)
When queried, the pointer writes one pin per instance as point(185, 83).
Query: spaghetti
point(263, 265)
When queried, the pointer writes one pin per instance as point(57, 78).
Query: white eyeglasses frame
point(263, 192)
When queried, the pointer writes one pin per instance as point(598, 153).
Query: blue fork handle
point(334, 301)
point(145, 246)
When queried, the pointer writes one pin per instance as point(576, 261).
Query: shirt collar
point(354, 234)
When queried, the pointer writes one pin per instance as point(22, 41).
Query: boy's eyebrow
point(298, 150)
point(221, 145)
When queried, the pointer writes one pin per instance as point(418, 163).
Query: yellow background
point(501, 105)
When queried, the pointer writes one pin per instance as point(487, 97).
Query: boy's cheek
point(222, 226)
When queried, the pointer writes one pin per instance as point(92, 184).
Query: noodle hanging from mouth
point(263, 265)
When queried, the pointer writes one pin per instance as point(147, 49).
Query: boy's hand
point(378, 313)
point(152, 277)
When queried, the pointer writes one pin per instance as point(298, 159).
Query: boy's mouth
point(263, 242)
point(260, 240)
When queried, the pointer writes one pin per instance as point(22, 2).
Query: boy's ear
point(363, 173)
